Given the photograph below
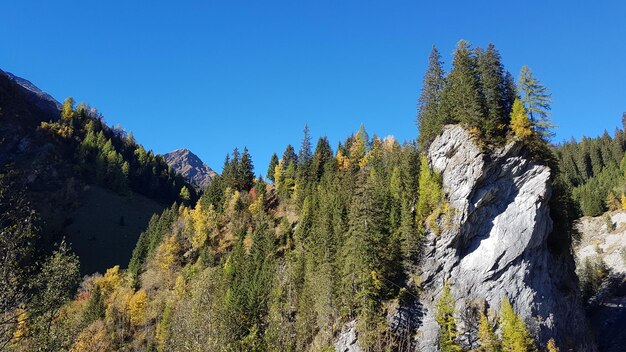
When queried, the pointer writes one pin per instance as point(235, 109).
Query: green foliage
point(498, 92)
point(515, 335)
point(447, 322)
point(429, 120)
point(591, 274)
point(536, 100)
point(461, 97)
point(592, 168)
point(430, 199)
point(487, 337)
point(272, 167)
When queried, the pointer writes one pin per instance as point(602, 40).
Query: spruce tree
point(429, 121)
point(536, 100)
point(246, 171)
point(494, 87)
point(322, 158)
point(271, 169)
point(289, 156)
point(304, 154)
point(461, 98)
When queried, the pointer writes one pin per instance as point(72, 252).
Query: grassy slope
point(95, 232)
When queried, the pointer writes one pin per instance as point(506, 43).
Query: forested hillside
point(595, 169)
point(70, 164)
point(333, 241)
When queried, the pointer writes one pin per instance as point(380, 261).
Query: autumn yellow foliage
point(520, 123)
point(204, 224)
point(137, 308)
point(110, 281)
point(21, 329)
point(93, 338)
point(342, 161)
point(167, 253)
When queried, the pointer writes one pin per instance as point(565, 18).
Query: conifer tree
point(67, 111)
point(323, 159)
point(304, 154)
point(515, 335)
point(289, 156)
point(271, 169)
point(461, 98)
point(494, 87)
point(520, 123)
point(246, 171)
point(429, 120)
point(447, 322)
point(536, 100)
point(489, 342)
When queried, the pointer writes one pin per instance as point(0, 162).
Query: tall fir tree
point(246, 171)
point(289, 156)
point(536, 100)
point(429, 120)
point(271, 169)
point(461, 100)
point(494, 88)
point(323, 159)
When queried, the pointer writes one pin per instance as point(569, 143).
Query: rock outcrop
point(496, 245)
point(604, 238)
point(187, 164)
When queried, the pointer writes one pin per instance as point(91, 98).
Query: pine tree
point(494, 88)
point(323, 159)
point(304, 154)
point(289, 156)
point(461, 97)
point(271, 169)
point(447, 322)
point(429, 120)
point(515, 335)
point(536, 100)
point(246, 172)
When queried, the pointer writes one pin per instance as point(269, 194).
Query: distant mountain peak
point(190, 166)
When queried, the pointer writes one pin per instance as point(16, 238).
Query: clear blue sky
point(209, 75)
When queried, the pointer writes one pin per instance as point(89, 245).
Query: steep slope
point(189, 165)
point(493, 244)
point(603, 244)
point(58, 162)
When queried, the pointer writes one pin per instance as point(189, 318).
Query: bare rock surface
point(496, 244)
point(189, 165)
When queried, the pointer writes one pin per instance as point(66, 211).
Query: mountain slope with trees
point(58, 155)
point(339, 243)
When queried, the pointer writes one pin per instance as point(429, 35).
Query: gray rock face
point(187, 164)
point(348, 339)
point(496, 245)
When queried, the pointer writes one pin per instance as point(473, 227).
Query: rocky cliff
point(187, 164)
point(604, 238)
point(496, 245)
